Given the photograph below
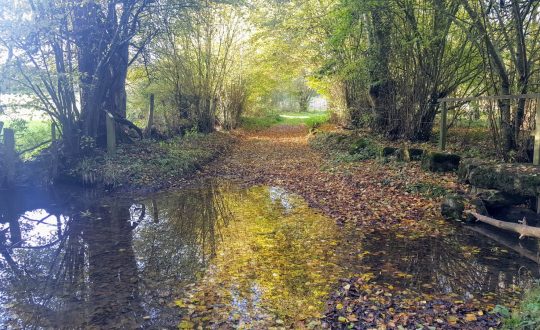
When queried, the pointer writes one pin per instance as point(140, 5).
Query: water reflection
point(463, 263)
point(103, 263)
point(217, 255)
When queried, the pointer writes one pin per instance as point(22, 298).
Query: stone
point(452, 207)
point(479, 207)
point(410, 154)
point(467, 165)
point(440, 162)
point(415, 154)
point(495, 199)
point(513, 179)
point(385, 152)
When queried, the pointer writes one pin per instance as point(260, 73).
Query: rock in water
point(440, 162)
point(452, 207)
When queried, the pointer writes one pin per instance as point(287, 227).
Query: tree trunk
point(382, 90)
point(521, 229)
point(103, 63)
point(150, 123)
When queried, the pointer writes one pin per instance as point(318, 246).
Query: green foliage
point(332, 141)
point(310, 119)
point(345, 147)
point(527, 315)
point(260, 123)
point(317, 120)
point(29, 134)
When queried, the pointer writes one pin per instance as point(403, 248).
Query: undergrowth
point(344, 147)
point(526, 316)
point(149, 164)
point(426, 189)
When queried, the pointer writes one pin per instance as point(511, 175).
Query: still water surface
point(217, 254)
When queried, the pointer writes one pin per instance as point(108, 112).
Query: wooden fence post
point(443, 132)
point(53, 133)
point(10, 157)
point(536, 157)
point(111, 134)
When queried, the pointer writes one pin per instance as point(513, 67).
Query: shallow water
point(218, 254)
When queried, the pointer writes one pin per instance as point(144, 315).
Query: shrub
point(345, 147)
point(527, 315)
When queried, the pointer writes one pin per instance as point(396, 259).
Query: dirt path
point(366, 197)
point(354, 193)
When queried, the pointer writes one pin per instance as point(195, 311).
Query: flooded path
point(219, 255)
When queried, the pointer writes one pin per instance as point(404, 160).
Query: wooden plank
point(536, 157)
point(492, 97)
point(111, 134)
point(443, 128)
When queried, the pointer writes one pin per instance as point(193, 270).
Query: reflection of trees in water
point(61, 278)
point(183, 232)
point(106, 264)
point(113, 286)
point(460, 264)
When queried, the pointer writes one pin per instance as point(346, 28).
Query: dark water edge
point(217, 253)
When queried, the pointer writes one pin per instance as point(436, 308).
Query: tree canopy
point(381, 64)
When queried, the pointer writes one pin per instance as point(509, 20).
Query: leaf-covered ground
point(364, 197)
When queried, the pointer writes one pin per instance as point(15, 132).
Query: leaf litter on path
point(367, 199)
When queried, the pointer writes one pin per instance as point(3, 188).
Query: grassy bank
point(148, 165)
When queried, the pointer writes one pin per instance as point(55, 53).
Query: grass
point(148, 165)
point(260, 123)
point(526, 316)
point(310, 119)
